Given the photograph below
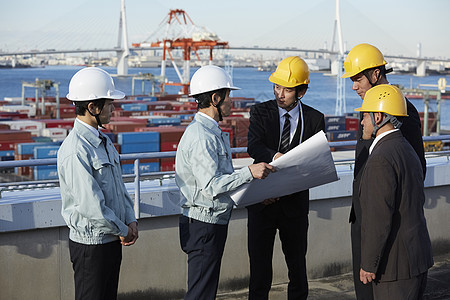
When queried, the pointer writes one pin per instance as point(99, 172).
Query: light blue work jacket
point(205, 173)
point(95, 203)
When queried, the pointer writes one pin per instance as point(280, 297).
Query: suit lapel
point(274, 121)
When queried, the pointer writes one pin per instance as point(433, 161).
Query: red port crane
point(189, 38)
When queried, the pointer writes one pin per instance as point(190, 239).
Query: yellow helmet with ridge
point(384, 98)
point(362, 57)
point(291, 72)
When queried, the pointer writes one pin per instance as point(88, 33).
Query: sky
point(396, 27)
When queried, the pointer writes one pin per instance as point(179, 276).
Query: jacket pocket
point(103, 172)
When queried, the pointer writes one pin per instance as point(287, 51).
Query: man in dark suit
point(276, 126)
point(395, 245)
point(365, 66)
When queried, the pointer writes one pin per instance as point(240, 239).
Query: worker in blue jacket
point(95, 203)
point(205, 176)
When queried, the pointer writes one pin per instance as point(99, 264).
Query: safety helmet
point(92, 83)
point(362, 57)
point(291, 72)
point(384, 98)
point(210, 78)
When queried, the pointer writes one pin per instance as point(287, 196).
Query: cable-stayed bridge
point(169, 33)
point(94, 29)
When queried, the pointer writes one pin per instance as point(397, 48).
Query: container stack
point(9, 139)
point(139, 142)
point(341, 128)
point(139, 124)
point(45, 172)
point(169, 138)
point(25, 151)
point(239, 132)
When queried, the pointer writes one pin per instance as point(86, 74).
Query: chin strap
point(374, 83)
point(388, 118)
point(97, 118)
point(218, 108)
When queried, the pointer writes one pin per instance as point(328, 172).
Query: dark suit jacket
point(394, 238)
point(410, 129)
point(264, 139)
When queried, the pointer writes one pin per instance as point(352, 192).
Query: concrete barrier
point(34, 255)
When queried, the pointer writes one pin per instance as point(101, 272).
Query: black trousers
point(204, 244)
point(96, 270)
point(363, 291)
point(293, 231)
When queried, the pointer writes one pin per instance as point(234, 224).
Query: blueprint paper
point(308, 165)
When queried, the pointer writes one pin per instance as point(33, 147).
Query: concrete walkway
point(341, 287)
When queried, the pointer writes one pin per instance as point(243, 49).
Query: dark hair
point(204, 100)
point(383, 71)
point(300, 89)
point(81, 106)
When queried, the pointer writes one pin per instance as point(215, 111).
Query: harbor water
point(253, 83)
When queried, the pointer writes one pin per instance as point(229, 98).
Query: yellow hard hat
point(362, 57)
point(384, 98)
point(291, 72)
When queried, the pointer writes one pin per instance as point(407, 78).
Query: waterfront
point(34, 236)
point(254, 84)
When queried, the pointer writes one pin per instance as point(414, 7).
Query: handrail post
point(137, 189)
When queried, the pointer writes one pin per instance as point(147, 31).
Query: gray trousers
point(408, 289)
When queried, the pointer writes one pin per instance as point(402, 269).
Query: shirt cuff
point(247, 174)
point(123, 230)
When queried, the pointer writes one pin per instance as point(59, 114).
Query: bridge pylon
point(337, 64)
point(123, 50)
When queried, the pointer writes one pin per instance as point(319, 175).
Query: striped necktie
point(286, 135)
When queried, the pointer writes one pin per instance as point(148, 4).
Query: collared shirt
point(204, 172)
point(294, 116)
point(208, 117)
point(95, 203)
point(92, 129)
point(379, 137)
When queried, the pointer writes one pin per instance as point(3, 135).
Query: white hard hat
point(210, 78)
point(91, 84)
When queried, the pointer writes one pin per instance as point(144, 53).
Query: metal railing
point(137, 175)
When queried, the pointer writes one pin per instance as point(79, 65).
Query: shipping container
point(138, 137)
point(45, 172)
point(45, 152)
point(143, 168)
point(58, 123)
point(334, 127)
point(117, 127)
point(341, 136)
point(139, 147)
point(134, 107)
point(56, 134)
point(158, 121)
point(167, 164)
point(334, 120)
point(28, 148)
point(351, 123)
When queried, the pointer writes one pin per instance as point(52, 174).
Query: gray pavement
point(341, 287)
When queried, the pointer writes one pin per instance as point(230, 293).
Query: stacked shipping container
point(139, 124)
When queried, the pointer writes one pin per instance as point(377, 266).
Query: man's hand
point(270, 201)
point(366, 277)
point(132, 236)
point(278, 155)
point(261, 170)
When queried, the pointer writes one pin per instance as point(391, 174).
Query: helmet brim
point(233, 88)
point(284, 83)
point(115, 95)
